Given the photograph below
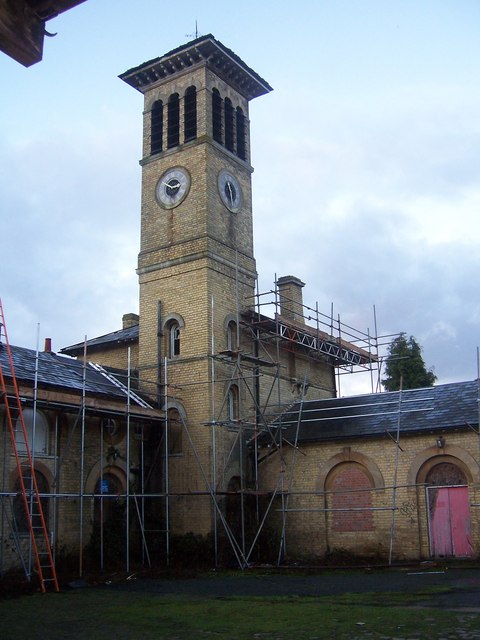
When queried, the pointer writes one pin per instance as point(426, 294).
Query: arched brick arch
point(428, 458)
point(173, 317)
point(39, 466)
point(347, 455)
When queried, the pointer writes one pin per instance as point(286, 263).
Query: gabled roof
point(115, 338)
point(444, 407)
point(204, 50)
point(65, 374)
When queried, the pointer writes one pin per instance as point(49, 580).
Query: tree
point(405, 363)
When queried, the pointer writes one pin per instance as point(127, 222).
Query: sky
point(366, 157)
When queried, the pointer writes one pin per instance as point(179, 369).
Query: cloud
point(70, 204)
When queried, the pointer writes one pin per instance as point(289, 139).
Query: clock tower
point(196, 265)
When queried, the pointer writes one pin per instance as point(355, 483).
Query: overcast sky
point(366, 156)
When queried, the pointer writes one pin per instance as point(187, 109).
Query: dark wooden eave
point(22, 26)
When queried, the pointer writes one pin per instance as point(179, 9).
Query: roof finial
point(196, 34)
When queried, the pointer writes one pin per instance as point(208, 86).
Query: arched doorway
point(107, 541)
point(448, 511)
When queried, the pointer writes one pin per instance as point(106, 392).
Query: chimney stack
point(291, 299)
point(130, 320)
point(48, 345)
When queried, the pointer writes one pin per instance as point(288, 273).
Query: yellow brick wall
point(116, 357)
point(309, 530)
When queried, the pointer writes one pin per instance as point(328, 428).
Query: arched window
point(217, 116)
point(241, 139)
point(175, 429)
point(156, 132)
point(173, 339)
point(232, 404)
point(190, 114)
point(173, 130)
point(228, 108)
point(36, 426)
point(232, 337)
point(21, 519)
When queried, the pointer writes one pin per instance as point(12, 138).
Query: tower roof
point(204, 50)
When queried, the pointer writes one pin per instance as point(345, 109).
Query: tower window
point(156, 134)
point(241, 142)
point(173, 131)
point(232, 403)
point(173, 340)
point(232, 338)
point(190, 114)
point(228, 124)
point(216, 116)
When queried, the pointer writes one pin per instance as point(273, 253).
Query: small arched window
point(241, 139)
point(173, 131)
point(36, 427)
point(228, 124)
point(232, 336)
point(173, 339)
point(156, 133)
point(217, 116)
point(190, 114)
point(232, 404)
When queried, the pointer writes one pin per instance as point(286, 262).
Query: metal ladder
point(30, 497)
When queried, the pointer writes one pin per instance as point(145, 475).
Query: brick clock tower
point(196, 265)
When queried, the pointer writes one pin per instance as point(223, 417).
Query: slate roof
point(64, 373)
point(120, 337)
point(443, 407)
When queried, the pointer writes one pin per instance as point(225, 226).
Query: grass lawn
point(100, 613)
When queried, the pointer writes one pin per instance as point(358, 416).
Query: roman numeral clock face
point(173, 187)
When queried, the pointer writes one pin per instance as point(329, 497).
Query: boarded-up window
point(352, 496)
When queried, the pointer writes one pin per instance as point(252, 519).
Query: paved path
point(463, 585)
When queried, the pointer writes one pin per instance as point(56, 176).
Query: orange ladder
point(30, 498)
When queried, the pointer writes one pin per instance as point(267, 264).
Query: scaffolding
point(261, 375)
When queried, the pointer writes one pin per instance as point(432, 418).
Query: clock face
point(230, 191)
point(173, 187)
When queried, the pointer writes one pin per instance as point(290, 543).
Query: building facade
point(213, 411)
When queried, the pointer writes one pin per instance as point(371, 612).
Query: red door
point(449, 522)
